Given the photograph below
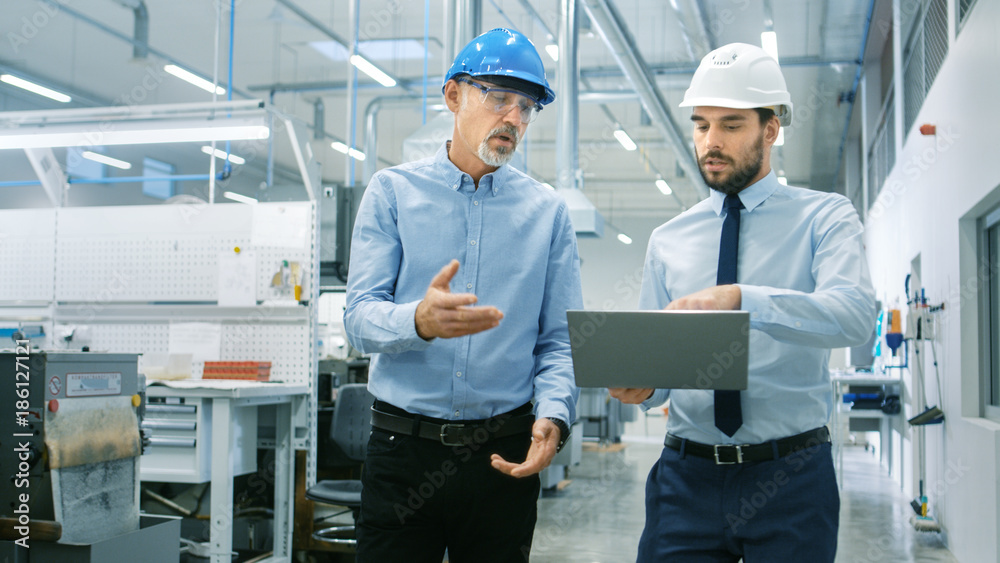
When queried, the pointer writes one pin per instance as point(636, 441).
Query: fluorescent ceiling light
point(782, 180)
point(548, 186)
point(194, 79)
point(135, 133)
point(372, 71)
point(35, 88)
point(624, 238)
point(769, 42)
point(103, 159)
point(344, 149)
point(553, 50)
point(238, 197)
point(780, 141)
point(373, 50)
point(222, 154)
point(661, 185)
point(625, 140)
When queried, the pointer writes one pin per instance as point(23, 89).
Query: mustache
point(713, 154)
point(508, 130)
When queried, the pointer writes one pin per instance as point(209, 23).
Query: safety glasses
point(501, 101)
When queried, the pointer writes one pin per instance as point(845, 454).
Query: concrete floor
point(599, 516)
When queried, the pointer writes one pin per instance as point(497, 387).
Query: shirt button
point(475, 203)
point(459, 374)
point(798, 323)
point(468, 286)
point(456, 413)
point(473, 243)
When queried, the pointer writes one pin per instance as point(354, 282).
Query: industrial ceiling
point(105, 52)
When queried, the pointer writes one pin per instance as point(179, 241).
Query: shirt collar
point(751, 196)
point(453, 176)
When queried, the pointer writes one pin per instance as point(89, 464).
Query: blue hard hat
point(507, 55)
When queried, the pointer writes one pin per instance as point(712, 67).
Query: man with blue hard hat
point(474, 387)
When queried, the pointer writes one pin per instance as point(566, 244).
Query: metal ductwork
point(587, 221)
point(140, 30)
point(610, 25)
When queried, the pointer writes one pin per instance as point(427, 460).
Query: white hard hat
point(740, 76)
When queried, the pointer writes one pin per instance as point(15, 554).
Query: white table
point(225, 397)
point(891, 385)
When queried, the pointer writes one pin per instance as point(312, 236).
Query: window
point(923, 56)
point(990, 297)
point(161, 189)
point(964, 7)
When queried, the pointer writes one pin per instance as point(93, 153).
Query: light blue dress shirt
point(517, 251)
point(804, 279)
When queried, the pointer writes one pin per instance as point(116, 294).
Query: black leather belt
point(455, 434)
point(725, 454)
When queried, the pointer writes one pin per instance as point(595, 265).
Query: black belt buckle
point(444, 434)
point(723, 448)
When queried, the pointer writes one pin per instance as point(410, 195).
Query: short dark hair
point(765, 114)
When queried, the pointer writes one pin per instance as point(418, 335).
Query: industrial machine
point(70, 443)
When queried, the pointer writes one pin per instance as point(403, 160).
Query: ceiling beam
point(612, 28)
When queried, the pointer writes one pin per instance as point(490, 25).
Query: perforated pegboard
point(285, 345)
point(27, 254)
point(169, 252)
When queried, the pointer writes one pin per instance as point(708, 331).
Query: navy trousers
point(786, 509)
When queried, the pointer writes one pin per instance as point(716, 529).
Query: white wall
point(611, 272)
point(925, 209)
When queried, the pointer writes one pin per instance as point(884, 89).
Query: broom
point(921, 522)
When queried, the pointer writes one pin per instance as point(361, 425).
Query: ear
point(452, 96)
point(771, 130)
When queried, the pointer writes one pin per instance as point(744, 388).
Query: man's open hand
point(443, 314)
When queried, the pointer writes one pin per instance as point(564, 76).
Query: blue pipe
point(127, 179)
point(427, 36)
point(64, 7)
point(227, 168)
point(854, 89)
point(354, 91)
point(111, 180)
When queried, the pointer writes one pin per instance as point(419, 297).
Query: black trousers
point(420, 497)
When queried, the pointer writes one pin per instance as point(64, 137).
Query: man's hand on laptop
point(630, 396)
point(447, 315)
point(717, 298)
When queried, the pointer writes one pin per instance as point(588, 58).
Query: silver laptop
point(660, 349)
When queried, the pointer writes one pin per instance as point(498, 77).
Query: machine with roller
point(70, 444)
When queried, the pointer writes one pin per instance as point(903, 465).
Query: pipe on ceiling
point(612, 29)
point(319, 26)
point(701, 15)
point(117, 34)
point(526, 4)
point(568, 173)
point(371, 130)
point(854, 88)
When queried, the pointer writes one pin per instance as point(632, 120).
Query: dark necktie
point(728, 412)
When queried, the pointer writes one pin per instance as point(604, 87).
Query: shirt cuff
point(553, 409)
point(756, 301)
point(407, 315)
point(658, 397)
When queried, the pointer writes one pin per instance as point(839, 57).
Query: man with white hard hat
point(749, 474)
point(474, 388)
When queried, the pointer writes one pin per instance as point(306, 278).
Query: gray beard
point(500, 155)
